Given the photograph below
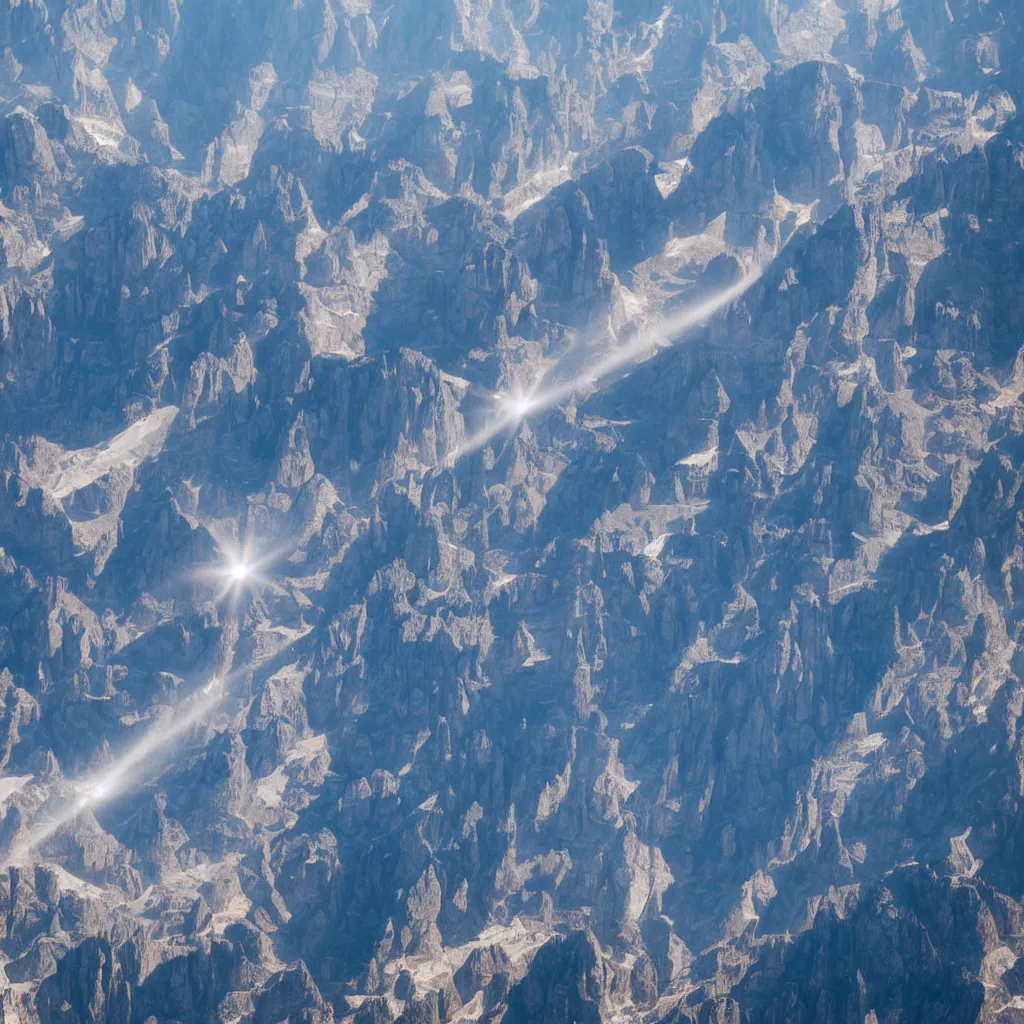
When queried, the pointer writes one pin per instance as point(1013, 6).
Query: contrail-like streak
point(242, 567)
point(516, 408)
point(95, 790)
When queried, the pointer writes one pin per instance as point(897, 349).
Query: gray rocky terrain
point(511, 510)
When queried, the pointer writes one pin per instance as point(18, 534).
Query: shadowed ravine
point(510, 512)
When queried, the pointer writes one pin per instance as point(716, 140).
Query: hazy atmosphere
point(511, 511)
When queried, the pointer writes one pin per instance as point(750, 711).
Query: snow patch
point(74, 470)
point(530, 192)
point(105, 134)
point(700, 459)
point(671, 176)
point(654, 549)
point(11, 785)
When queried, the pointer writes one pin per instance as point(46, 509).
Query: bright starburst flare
point(515, 406)
point(123, 775)
point(545, 394)
point(512, 408)
point(94, 794)
point(241, 568)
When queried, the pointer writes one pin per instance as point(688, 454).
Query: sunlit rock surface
point(511, 511)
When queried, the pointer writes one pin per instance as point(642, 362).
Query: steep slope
point(511, 511)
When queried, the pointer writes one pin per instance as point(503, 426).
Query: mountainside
point(511, 510)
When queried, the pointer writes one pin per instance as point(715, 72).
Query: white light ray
point(242, 567)
point(514, 408)
point(121, 775)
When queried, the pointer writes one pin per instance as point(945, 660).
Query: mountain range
point(511, 510)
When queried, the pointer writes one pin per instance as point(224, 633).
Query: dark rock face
point(511, 512)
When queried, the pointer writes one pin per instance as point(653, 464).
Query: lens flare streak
point(241, 569)
point(95, 790)
point(515, 408)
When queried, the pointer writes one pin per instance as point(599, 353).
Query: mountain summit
point(511, 510)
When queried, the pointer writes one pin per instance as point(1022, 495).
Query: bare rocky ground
point(694, 695)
